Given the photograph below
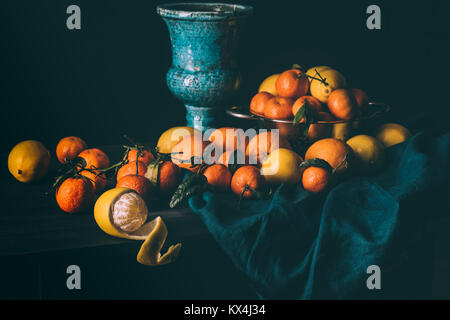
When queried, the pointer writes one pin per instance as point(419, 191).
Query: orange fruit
point(292, 84)
point(247, 176)
point(228, 139)
point(219, 177)
point(341, 104)
point(361, 98)
point(131, 169)
point(165, 175)
point(314, 103)
point(233, 157)
point(332, 151)
point(315, 179)
point(75, 194)
point(189, 147)
point(98, 181)
point(145, 156)
point(69, 147)
point(140, 184)
point(95, 158)
point(278, 108)
point(169, 176)
point(262, 144)
point(259, 101)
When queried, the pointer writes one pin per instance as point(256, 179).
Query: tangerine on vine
point(131, 168)
point(69, 147)
point(219, 177)
point(137, 183)
point(259, 101)
point(292, 84)
point(246, 180)
point(75, 194)
point(278, 108)
point(95, 158)
point(145, 156)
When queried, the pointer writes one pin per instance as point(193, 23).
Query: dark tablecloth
point(298, 245)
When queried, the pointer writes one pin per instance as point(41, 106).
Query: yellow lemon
point(171, 137)
point(341, 131)
point(29, 161)
point(268, 85)
point(121, 212)
point(282, 166)
point(368, 151)
point(334, 80)
point(392, 133)
point(314, 70)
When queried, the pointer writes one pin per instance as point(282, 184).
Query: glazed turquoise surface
point(204, 72)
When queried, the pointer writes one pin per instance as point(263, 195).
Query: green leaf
point(297, 66)
point(78, 161)
point(152, 173)
point(316, 162)
point(305, 112)
point(300, 113)
point(194, 184)
point(309, 119)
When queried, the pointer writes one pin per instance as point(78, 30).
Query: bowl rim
point(244, 113)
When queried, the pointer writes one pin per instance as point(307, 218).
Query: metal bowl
point(339, 129)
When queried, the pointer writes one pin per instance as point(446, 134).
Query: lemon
point(29, 161)
point(121, 212)
point(282, 166)
point(314, 70)
point(334, 79)
point(341, 131)
point(171, 137)
point(268, 85)
point(391, 134)
point(368, 151)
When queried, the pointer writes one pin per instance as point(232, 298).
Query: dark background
point(108, 78)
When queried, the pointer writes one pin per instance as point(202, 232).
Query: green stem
point(340, 164)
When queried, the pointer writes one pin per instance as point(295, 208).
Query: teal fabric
point(298, 245)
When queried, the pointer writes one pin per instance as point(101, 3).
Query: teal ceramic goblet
point(204, 72)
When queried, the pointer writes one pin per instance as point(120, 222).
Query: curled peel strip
point(149, 254)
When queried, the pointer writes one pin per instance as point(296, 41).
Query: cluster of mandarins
point(76, 192)
point(250, 166)
point(140, 171)
point(246, 166)
point(281, 96)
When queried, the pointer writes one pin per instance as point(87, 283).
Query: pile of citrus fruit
point(282, 96)
point(185, 161)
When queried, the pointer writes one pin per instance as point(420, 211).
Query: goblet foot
point(201, 118)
